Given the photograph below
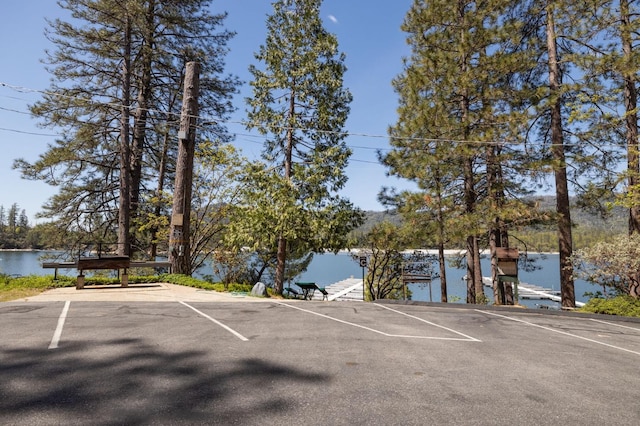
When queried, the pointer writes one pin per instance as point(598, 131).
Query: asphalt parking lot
point(193, 361)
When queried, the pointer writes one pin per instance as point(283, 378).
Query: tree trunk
point(442, 262)
point(444, 297)
point(475, 292)
point(124, 235)
point(288, 158)
point(281, 261)
point(162, 170)
point(565, 242)
point(498, 236)
point(179, 240)
point(471, 288)
point(494, 243)
point(144, 95)
point(631, 115)
point(157, 210)
point(474, 285)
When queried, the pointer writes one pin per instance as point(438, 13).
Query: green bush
point(194, 282)
point(35, 282)
point(16, 287)
point(625, 306)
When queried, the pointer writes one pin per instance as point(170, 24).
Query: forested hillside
point(588, 227)
point(14, 228)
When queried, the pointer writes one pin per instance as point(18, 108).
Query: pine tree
point(115, 68)
point(460, 118)
point(300, 104)
point(609, 60)
point(565, 242)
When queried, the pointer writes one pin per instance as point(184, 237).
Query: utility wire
point(27, 133)
point(204, 119)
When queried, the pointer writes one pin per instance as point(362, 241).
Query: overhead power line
point(212, 120)
point(27, 133)
point(204, 119)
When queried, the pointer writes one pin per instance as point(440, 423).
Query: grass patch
point(12, 288)
point(18, 293)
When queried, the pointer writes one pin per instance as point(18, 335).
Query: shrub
point(622, 305)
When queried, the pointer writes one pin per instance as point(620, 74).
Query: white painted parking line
point(431, 323)
point(467, 339)
point(58, 333)
point(215, 321)
point(616, 325)
point(559, 331)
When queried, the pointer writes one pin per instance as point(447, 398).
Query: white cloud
point(333, 19)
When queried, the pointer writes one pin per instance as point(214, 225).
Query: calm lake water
point(327, 269)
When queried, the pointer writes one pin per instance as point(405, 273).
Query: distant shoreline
point(451, 252)
point(8, 250)
point(448, 252)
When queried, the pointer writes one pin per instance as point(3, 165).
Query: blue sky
point(368, 32)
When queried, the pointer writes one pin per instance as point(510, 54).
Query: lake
point(328, 268)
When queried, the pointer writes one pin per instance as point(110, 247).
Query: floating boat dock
point(534, 292)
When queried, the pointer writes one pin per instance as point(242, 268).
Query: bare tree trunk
point(288, 158)
point(141, 114)
point(494, 243)
point(631, 115)
point(124, 235)
point(475, 292)
point(560, 169)
point(444, 297)
point(162, 170)
point(471, 288)
point(442, 262)
point(497, 236)
point(474, 285)
point(179, 240)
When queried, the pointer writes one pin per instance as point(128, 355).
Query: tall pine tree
point(116, 68)
point(460, 119)
point(300, 104)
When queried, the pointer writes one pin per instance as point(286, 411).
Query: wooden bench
point(59, 265)
point(104, 262)
point(292, 293)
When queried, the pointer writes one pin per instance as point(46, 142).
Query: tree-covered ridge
point(14, 227)
point(589, 228)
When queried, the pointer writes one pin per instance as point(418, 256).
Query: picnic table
point(309, 289)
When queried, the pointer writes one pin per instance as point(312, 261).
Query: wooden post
point(179, 245)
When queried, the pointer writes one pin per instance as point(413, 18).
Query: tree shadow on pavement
point(129, 381)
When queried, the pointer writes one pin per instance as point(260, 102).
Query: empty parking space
point(201, 322)
point(583, 332)
point(16, 330)
point(294, 362)
point(383, 320)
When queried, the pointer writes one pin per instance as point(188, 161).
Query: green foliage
point(116, 112)
point(622, 306)
point(300, 104)
point(614, 263)
point(384, 246)
point(15, 231)
point(194, 282)
point(215, 193)
point(461, 119)
point(35, 282)
point(12, 288)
